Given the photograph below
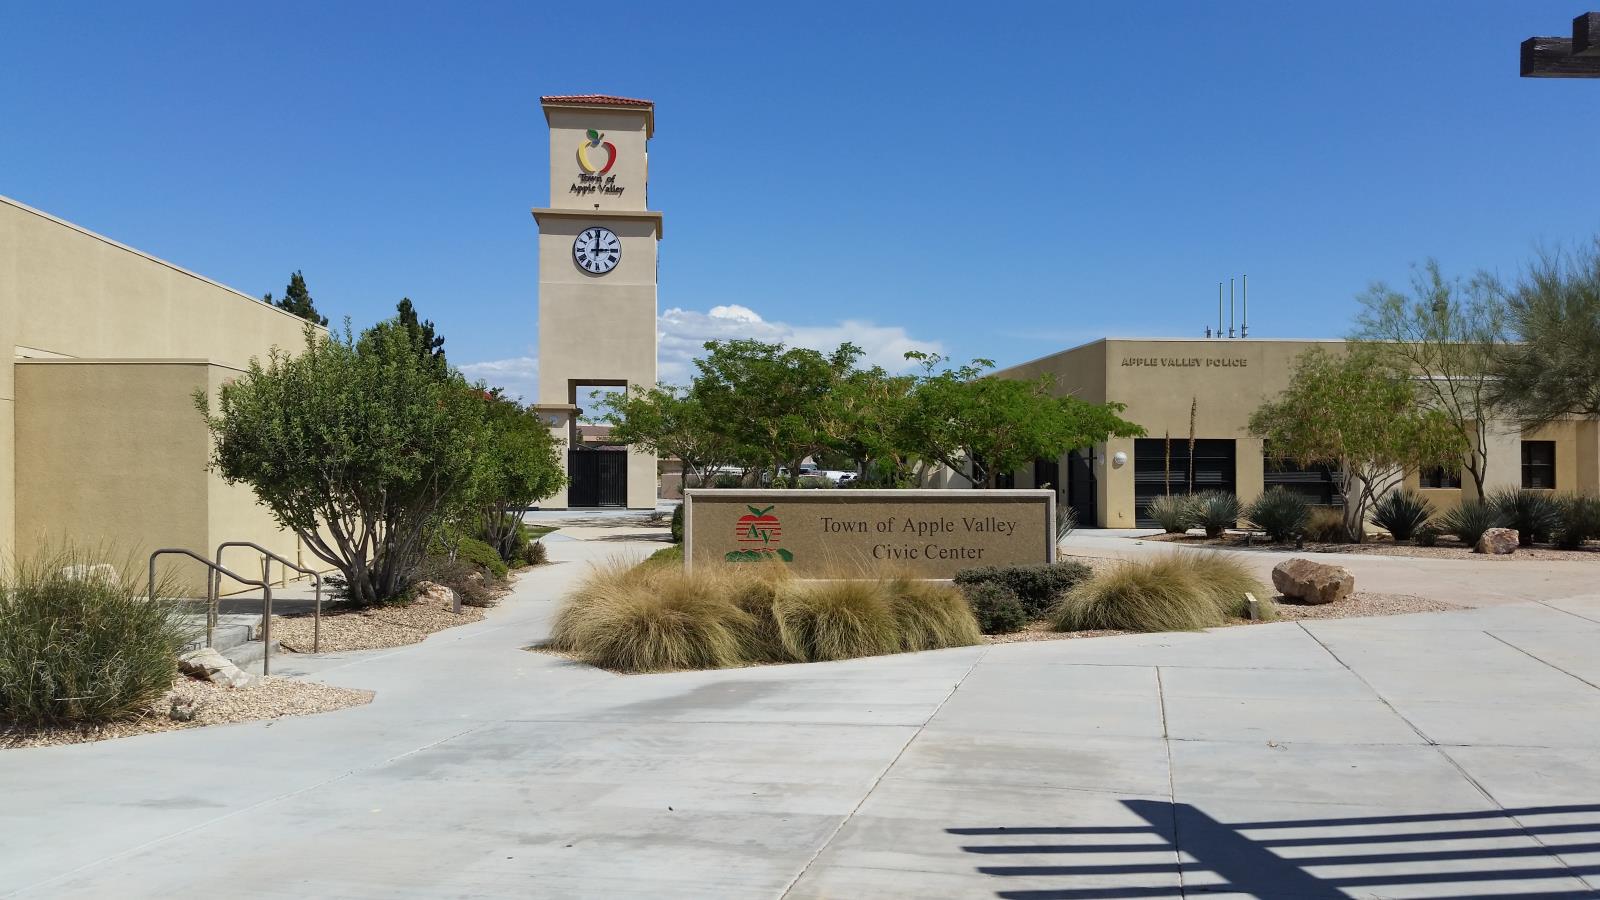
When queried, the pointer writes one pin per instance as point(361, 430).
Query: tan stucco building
point(1223, 381)
point(597, 285)
point(100, 442)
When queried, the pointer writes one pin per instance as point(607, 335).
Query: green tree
point(422, 333)
point(1444, 337)
point(1355, 413)
point(297, 300)
point(521, 465)
point(670, 422)
point(876, 412)
point(358, 446)
point(983, 426)
point(776, 405)
point(1552, 368)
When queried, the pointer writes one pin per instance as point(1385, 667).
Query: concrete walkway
point(1443, 755)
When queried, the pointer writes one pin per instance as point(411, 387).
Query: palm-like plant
point(1401, 513)
point(1534, 514)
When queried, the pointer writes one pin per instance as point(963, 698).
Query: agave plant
point(1401, 513)
point(1470, 520)
point(1579, 520)
point(1534, 514)
point(1280, 513)
point(1170, 512)
point(1214, 511)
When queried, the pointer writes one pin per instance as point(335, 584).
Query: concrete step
point(247, 656)
point(224, 637)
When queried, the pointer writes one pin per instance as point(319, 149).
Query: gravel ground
point(1382, 545)
point(268, 698)
point(1041, 631)
point(1361, 603)
point(371, 629)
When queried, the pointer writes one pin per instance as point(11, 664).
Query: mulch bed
point(372, 628)
point(1378, 545)
point(267, 698)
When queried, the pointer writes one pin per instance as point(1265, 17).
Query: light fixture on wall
point(1119, 459)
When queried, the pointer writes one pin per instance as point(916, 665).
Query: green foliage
point(1471, 519)
point(677, 524)
point(1036, 587)
point(1443, 339)
point(1426, 536)
point(297, 300)
point(1578, 520)
point(1281, 514)
point(996, 607)
point(520, 464)
point(359, 447)
point(469, 580)
point(1354, 413)
point(1171, 512)
point(423, 338)
point(83, 650)
point(1326, 525)
point(1180, 592)
point(670, 422)
point(985, 426)
point(1534, 514)
point(482, 555)
point(673, 554)
point(1401, 513)
point(1552, 367)
point(535, 554)
point(1214, 511)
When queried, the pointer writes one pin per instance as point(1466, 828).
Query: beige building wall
point(597, 329)
point(105, 340)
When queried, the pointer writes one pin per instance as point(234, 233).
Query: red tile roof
point(594, 100)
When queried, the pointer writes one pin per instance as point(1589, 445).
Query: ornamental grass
point(1177, 592)
point(657, 617)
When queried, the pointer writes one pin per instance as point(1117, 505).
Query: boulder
point(1312, 582)
point(434, 592)
point(1499, 541)
point(206, 664)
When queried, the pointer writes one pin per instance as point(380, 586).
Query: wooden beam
point(1551, 57)
point(1586, 35)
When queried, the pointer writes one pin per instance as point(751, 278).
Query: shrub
point(1181, 592)
point(996, 607)
point(677, 622)
point(826, 620)
point(1401, 513)
point(726, 480)
point(1578, 520)
point(83, 650)
point(535, 554)
point(1214, 511)
point(673, 554)
point(480, 554)
point(677, 524)
point(1426, 536)
point(1036, 587)
point(812, 482)
point(467, 579)
point(931, 616)
point(1470, 520)
point(1325, 525)
point(1281, 514)
point(1534, 514)
point(1170, 512)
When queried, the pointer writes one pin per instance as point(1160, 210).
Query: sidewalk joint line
point(1542, 660)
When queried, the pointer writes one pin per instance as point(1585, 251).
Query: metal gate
point(597, 477)
point(1081, 488)
point(1215, 469)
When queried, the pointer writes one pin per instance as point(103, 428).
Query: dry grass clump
point(1178, 592)
point(653, 617)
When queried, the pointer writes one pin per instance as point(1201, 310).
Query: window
point(1439, 477)
point(1538, 465)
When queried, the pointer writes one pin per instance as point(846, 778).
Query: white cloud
point(682, 334)
point(518, 376)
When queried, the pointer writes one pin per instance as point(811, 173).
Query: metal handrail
point(211, 587)
point(266, 573)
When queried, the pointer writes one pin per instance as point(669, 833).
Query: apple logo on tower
point(596, 141)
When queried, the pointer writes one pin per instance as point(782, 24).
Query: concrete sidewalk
point(1439, 755)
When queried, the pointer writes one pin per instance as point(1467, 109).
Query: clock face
point(597, 250)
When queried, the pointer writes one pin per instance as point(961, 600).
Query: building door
point(1215, 469)
point(1080, 488)
point(597, 477)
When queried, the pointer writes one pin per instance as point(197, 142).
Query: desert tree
point(1551, 368)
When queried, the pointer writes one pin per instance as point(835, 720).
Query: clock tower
point(597, 285)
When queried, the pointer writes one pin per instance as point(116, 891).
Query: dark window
point(1321, 485)
point(1439, 477)
point(1539, 465)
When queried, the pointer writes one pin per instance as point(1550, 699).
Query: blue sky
point(998, 185)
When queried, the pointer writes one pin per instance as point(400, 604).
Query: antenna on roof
point(1244, 299)
point(1219, 310)
point(1230, 307)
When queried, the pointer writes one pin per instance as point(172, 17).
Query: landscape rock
point(435, 592)
point(206, 664)
point(1312, 582)
point(1498, 541)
